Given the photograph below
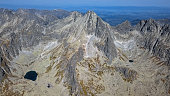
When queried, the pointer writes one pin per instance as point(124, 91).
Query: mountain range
point(77, 54)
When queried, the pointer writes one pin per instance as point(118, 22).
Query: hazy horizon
point(112, 13)
point(47, 4)
point(41, 7)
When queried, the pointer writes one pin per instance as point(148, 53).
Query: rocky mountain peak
point(124, 27)
point(148, 26)
point(127, 23)
point(92, 13)
point(147, 22)
point(75, 14)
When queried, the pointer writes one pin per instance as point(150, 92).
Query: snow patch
point(126, 45)
point(44, 31)
point(90, 49)
point(50, 45)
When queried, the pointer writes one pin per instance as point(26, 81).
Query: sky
point(68, 3)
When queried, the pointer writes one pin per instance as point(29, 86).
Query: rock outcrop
point(155, 38)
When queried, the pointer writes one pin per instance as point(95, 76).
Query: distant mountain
point(117, 14)
point(113, 15)
point(163, 21)
point(61, 53)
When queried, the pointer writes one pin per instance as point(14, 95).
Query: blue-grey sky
point(67, 3)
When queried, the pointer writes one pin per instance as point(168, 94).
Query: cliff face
point(81, 55)
point(155, 38)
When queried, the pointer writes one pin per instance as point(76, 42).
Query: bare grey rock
point(155, 38)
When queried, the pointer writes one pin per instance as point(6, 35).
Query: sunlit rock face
point(81, 55)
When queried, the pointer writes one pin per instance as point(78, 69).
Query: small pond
point(31, 75)
point(130, 60)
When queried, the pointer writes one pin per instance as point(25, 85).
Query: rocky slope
point(155, 38)
point(81, 55)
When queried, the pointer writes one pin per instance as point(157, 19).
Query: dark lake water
point(31, 75)
point(130, 60)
